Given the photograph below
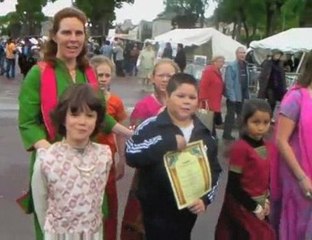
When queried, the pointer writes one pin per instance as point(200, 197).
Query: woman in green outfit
point(64, 63)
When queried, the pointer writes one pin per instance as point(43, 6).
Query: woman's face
point(219, 63)
point(70, 38)
point(104, 75)
point(163, 73)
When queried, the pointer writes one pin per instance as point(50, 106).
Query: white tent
point(291, 41)
point(202, 39)
point(295, 40)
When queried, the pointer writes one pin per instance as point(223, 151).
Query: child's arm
point(120, 164)
point(212, 153)
point(122, 130)
point(234, 187)
point(39, 191)
point(149, 144)
point(238, 155)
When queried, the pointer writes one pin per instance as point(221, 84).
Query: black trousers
point(167, 225)
point(232, 108)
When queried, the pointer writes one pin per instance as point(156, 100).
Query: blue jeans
point(10, 70)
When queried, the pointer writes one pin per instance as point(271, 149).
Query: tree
point(305, 19)
point(30, 15)
point(188, 12)
point(267, 16)
point(100, 13)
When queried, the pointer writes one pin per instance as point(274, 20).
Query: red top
point(116, 109)
point(253, 164)
point(211, 88)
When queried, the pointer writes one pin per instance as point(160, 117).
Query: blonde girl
point(105, 71)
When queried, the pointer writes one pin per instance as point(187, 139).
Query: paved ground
point(14, 225)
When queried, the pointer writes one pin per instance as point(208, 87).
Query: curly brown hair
point(50, 47)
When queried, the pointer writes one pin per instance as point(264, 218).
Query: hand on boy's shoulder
point(181, 143)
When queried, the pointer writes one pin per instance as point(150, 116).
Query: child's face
point(258, 124)
point(162, 75)
point(79, 126)
point(104, 75)
point(182, 103)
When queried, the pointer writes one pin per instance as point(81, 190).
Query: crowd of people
point(74, 127)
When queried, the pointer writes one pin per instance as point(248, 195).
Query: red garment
point(235, 221)
point(211, 88)
point(116, 109)
point(132, 227)
point(48, 93)
point(245, 160)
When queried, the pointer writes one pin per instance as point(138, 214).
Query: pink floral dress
point(68, 187)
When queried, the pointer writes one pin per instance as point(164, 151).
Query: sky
point(140, 10)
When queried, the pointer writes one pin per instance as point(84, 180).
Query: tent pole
point(300, 63)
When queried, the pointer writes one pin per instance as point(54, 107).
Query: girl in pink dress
point(132, 226)
point(70, 176)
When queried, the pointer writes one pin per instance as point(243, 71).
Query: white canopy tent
point(295, 40)
point(204, 41)
point(291, 41)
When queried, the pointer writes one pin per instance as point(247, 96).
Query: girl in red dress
point(105, 69)
point(246, 204)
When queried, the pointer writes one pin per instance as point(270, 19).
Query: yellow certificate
point(189, 173)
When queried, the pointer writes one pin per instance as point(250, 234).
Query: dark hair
point(50, 48)
point(250, 107)
point(75, 99)
point(178, 79)
point(305, 79)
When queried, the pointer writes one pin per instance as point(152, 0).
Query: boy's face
point(182, 103)
point(104, 75)
point(79, 126)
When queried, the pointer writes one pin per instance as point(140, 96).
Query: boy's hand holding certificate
point(189, 173)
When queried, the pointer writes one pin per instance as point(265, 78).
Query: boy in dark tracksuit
point(171, 130)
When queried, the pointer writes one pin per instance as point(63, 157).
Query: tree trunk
point(244, 22)
point(201, 20)
point(234, 30)
point(269, 18)
point(306, 16)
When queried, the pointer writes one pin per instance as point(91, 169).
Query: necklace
point(84, 171)
point(72, 74)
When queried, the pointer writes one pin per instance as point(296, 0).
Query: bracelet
point(258, 209)
point(300, 179)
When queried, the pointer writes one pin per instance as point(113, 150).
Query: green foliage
point(264, 16)
point(188, 11)
point(100, 12)
point(26, 19)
